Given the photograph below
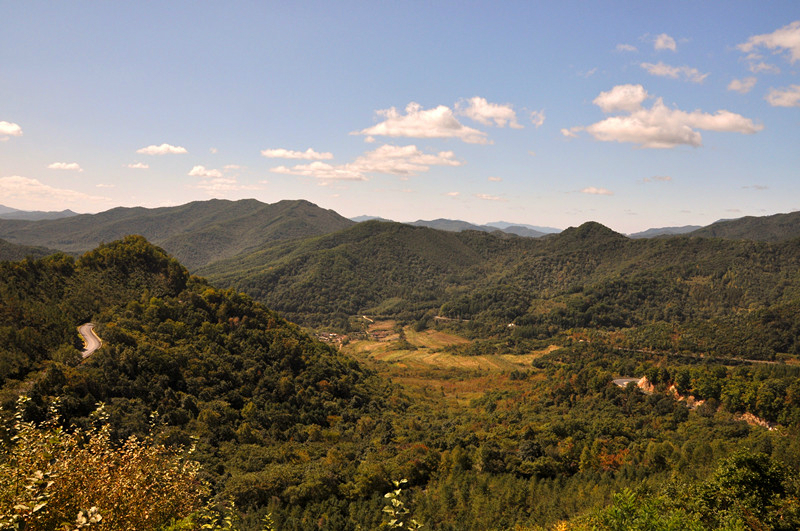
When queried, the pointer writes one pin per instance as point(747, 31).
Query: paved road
point(90, 339)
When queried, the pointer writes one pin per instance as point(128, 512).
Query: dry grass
point(430, 369)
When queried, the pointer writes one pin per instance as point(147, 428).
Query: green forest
point(244, 420)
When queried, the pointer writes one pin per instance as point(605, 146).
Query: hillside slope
point(587, 276)
point(777, 227)
point(196, 233)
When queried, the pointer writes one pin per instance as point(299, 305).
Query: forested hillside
point(289, 427)
point(698, 294)
point(11, 251)
point(777, 227)
point(196, 233)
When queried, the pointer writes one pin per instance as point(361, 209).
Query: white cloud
point(785, 39)
point(658, 126)
point(596, 191)
point(742, 86)
point(482, 111)
point(657, 178)
point(231, 167)
point(674, 72)
point(572, 132)
point(495, 179)
point(220, 185)
point(322, 170)
point(761, 67)
point(103, 185)
point(621, 98)
point(308, 154)
point(69, 166)
point(487, 197)
point(789, 97)
point(626, 48)
point(139, 166)
point(9, 129)
point(163, 149)
point(665, 42)
point(213, 150)
point(438, 122)
point(387, 159)
point(35, 195)
point(537, 118)
point(201, 171)
point(453, 194)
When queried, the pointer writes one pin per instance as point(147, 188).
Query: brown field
point(430, 369)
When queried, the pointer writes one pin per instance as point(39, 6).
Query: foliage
point(286, 426)
point(51, 478)
point(396, 510)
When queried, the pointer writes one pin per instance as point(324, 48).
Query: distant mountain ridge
point(196, 233)
point(776, 227)
point(665, 231)
point(454, 225)
point(33, 215)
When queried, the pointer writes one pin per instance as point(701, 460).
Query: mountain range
point(196, 233)
point(13, 213)
point(283, 424)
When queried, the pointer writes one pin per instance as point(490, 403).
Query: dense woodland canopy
point(286, 426)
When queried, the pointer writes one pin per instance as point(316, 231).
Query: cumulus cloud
point(201, 171)
point(163, 149)
point(139, 166)
point(572, 132)
point(308, 154)
point(322, 170)
point(742, 86)
point(9, 129)
point(219, 185)
point(482, 111)
point(231, 167)
point(537, 118)
point(592, 190)
point(36, 195)
point(785, 39)
point(495, 179)
point(487, 197)
point(757, 66)
point(788, 97)
point(659, 126)
point(69, 166)
point(438, 122)
point(657, 178)
point(664, 42)
point(626, 48)
point(453, 194)
point(387, 159)
point(621, 98)
point(674, 72)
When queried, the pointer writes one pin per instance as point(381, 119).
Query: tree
point(50, 477)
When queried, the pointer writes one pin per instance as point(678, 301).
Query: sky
point(633, 114)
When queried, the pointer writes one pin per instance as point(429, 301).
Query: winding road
point(90, 339)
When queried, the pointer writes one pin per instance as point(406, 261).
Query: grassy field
point(420, 362)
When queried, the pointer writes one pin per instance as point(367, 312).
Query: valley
point(309, 372)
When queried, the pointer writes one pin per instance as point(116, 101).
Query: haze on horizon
point(535, 114)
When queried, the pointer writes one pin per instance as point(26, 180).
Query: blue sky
point(633, 114)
